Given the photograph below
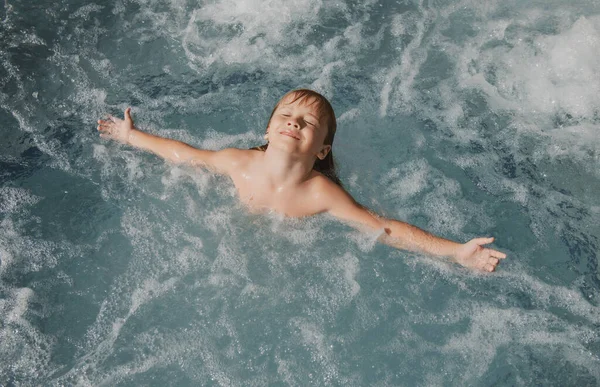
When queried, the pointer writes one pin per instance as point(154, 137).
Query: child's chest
point(258, 197)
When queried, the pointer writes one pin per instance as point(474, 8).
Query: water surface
point(461, 117)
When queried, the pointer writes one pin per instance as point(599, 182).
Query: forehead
point(310, 103)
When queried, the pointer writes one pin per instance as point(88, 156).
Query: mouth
point(290, 134)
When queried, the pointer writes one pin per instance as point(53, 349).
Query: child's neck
point(284, 169)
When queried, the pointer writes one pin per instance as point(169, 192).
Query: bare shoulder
point(229, 159)
point(235, 154)
point(328, 194)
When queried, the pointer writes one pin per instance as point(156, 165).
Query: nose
point(293, 122)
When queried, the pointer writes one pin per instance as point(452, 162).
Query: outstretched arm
point(123, 130)
point(408, 237)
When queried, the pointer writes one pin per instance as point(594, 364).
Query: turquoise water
point(462, 117)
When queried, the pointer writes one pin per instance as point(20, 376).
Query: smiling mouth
point(290, 134)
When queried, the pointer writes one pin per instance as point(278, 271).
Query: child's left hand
point(473, 255)
point(117, 129)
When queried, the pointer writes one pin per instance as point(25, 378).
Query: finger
point(493, 261)
point(105, 135)
point(128, 115)
point(497, 254)
point(104, 127)
point(490, 268)
point(114, 119)
point(105, 122)
point(483, 241)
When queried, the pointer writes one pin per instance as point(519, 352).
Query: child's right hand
point(116, 128)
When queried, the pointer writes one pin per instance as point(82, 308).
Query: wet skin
point(281, 179)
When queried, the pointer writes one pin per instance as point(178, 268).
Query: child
point(293, 174)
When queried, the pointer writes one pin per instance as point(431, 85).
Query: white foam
point(408, 179)
point(300, 231)
point(191, 256)
point(229, 266)
point(191, 349)
point(349, 115)
point(33, 253)
point(365, 238)
point(216, 141)
point(321, 351)
point(562, 71)
point(26, 350)
point(150, 289)
point(233, 33)
point(92, 98)
point(84, 12)
point(255, 35)
point(492, 329)
point(439, 197)
point(411, 58)
point(350, 266)
point(13, 199)
point(539, 79)
point(323, 84)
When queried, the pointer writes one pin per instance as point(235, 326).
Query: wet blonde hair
point(326, 116)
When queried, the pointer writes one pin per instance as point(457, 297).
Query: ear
point(323, 152)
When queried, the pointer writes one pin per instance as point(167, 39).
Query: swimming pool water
point(464, 118)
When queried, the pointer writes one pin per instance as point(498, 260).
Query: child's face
point(298, 127)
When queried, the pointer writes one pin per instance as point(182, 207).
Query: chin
point(283, 146)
